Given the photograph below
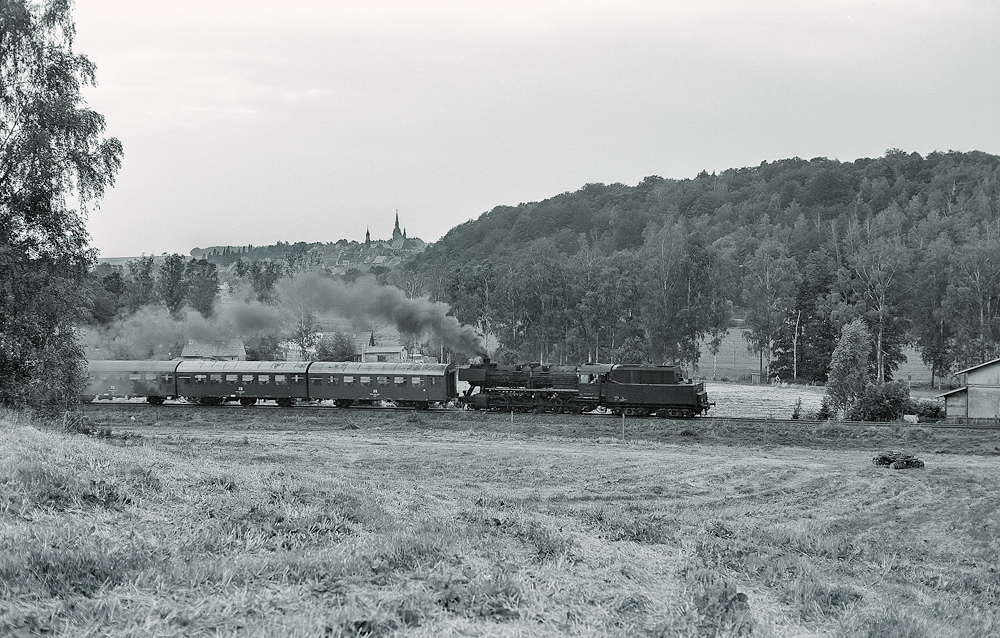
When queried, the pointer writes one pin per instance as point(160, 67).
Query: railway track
point(128, 406)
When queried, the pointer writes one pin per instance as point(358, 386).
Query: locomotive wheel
point(154, 400)
point(661, 413)
point(246, 402)
point(343, 403)
point(284, 402)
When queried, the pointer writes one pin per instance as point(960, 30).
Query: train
point(633, 390)
point(414, 385)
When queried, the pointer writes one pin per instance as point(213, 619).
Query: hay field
point(357, 523)
point(734, 363)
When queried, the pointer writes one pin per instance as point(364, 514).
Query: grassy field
point(258, 522)
point(734, 363)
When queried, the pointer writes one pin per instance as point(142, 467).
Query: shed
point(979, 394)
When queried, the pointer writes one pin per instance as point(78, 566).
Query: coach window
point(348, 380)
point(150, 376)
point(215, 379)
point(186, 380)
point(315, 380)
point(297, 379)
point(247, 379)
point(280, 379)
point(167, 377)
point(232, 378)
point(400, 381)
point(435, 380)
point(417, 382)
point(200, 378)
point(331, 380)
point(135, 376)
point(366, 380)
point(383, 380)
point(263, 379)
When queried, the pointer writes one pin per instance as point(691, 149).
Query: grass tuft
point(498, 598)
point(816, 598)
point(721, 608)
point(881, 623)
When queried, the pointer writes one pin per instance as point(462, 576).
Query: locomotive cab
point(589, 380)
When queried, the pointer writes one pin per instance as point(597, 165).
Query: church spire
point(396, 233)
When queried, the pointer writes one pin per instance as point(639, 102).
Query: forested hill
point(794, 247)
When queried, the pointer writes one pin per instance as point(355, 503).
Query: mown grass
point(386, 524)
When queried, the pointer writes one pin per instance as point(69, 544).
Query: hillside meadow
point(261, 522)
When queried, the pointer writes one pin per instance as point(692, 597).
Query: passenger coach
point(417, 385)
point(121, 379)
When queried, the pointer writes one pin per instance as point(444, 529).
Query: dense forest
point(790, 250)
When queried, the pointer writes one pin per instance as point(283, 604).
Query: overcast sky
point(246, 121)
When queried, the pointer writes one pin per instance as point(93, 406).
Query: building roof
point(384, 349)
point(951, 392)
point(981, 365)
point(220, 350)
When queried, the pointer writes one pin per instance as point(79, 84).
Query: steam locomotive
point(632, 390)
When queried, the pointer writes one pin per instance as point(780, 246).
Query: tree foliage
point(140, 283)
point(796, 249)
point(849, 375)
point(171, 285)
point(336, 346)
point(263, 276)
point(51, 151)
point(202, 279)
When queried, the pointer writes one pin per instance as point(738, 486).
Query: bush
point(925, 408)
point(825, 412)
point(881, 402)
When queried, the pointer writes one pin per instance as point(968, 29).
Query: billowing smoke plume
point(152, 333)
point(366, 300)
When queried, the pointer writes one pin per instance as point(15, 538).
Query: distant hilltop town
point(336, 258)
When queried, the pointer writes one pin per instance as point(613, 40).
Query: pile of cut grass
point(385, 529)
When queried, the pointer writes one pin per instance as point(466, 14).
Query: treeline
point(295, 253)
point(795, 249)
point(110, 292)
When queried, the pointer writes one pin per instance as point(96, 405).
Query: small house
point(979, 394)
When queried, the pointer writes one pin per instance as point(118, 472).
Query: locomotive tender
point(633, 390)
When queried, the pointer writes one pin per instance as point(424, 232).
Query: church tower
point(368, 238)
point(396, 233)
